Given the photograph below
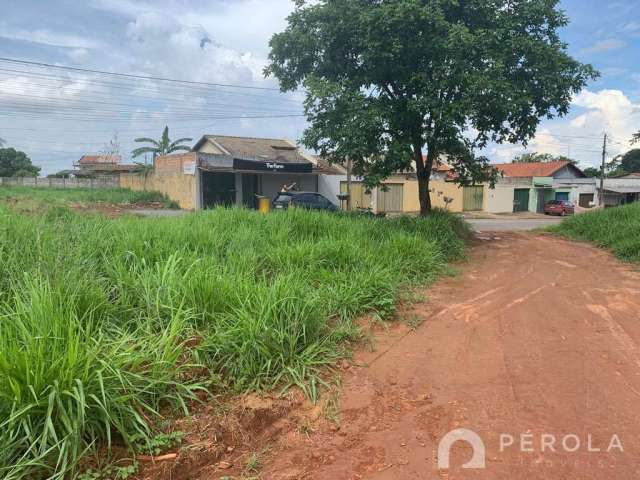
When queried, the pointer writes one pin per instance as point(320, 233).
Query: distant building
point(101, 166)
point(228, 170)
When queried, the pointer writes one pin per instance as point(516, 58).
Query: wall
point(169, 178)
point(101, 182)
point(329, 186)
point(499, 199)
point(272, 183)
point(439, 190)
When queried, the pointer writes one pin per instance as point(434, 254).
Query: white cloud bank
point(580, 136)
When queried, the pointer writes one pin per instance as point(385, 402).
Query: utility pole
point(602, 168)
point(349, 167)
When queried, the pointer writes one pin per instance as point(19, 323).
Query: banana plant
point(164, 146)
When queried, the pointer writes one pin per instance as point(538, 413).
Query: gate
point(391, 200)
point(472, 198)
point(360, 197)
point(521, 200)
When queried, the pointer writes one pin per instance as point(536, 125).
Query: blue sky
point(226, 41)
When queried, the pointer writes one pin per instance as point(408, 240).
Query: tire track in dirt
point(536, 336)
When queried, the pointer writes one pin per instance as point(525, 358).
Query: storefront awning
point(272, 166)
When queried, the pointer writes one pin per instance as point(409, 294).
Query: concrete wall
point(272, 183)
point(440, 190)
point(329, 186)
point(498, 199)
point(169, 177)
point(101, 182)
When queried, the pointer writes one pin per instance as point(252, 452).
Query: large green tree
point(389, 80)
point(14, 163)
point(164, 146)
point(630, 161)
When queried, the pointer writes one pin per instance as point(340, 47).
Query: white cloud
point(604, 46)
point(631, 27)
point(47, 37)
point(580, 135)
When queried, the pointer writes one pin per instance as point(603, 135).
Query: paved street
point(511, 224)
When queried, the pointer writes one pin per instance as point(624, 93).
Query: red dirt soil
point(536, 337)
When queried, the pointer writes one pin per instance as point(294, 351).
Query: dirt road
point(535, 346)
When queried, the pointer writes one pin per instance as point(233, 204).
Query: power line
point(138, 77)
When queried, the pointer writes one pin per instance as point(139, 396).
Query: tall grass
point(615, 228)
point(103, 322)
point(46, 197)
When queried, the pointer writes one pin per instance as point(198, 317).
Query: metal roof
point(622, 189)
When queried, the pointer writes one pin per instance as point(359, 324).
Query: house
point(399, 192)
point(101, 166)
point(231, 170)
point(527, 187)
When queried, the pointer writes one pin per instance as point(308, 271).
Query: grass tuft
point(613, 228)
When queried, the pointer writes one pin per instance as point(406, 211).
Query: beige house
point(228, 170)
point(399, 193)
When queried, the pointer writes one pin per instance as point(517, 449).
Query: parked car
point(559, 207)
point(309, 200)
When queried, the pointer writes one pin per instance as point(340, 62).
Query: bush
point(96, 314)
point(615, 228)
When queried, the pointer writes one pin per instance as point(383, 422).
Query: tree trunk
point(423, 172)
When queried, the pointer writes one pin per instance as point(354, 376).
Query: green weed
point(104, 323)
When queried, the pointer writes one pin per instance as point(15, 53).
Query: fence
point(100, 182)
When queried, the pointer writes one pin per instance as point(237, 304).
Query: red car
point(559, 207)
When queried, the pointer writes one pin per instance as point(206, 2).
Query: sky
point(56, 115)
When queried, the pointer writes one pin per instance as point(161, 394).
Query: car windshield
point(555, 202)
point(283, 198)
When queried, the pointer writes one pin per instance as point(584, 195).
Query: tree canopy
point(164, 146)
point(591, 172)
point(542, 157)
point(630, 161)
point(14, 163)
point(388, 80)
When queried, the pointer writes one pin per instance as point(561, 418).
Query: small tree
point(164, 146)
point(14, 163)
point(635, 138)
point(387, 80)
point(112, 148)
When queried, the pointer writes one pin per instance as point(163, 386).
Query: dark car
point(559, 207)
point(309, 200)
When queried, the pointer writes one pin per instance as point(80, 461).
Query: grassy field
point(104, 323)
point(33, 199)
point(615, 228)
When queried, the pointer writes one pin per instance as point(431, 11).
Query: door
point(360, 198)
point(391, 199)
point(249, 190)
point(521, 200)
point(472, 198)
point(541, 201)
point(562, 196)
point(585, 200)
point(218, 188)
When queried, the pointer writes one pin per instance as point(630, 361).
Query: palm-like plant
point(164, 146)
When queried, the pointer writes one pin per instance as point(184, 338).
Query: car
point(559, 207)
point(308, 200)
